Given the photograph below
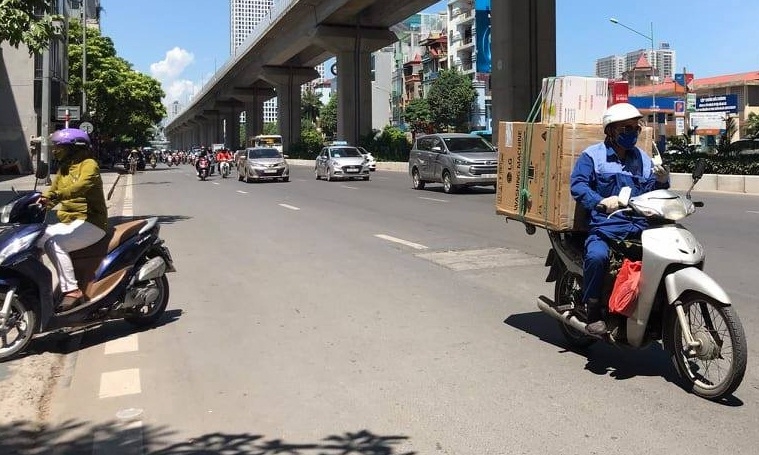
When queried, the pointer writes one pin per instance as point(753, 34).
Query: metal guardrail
point(278, 9)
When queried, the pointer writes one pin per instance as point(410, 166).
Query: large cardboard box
point(574, 99)
point(535, 161)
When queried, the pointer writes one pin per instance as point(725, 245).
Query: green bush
point(389, 145)
point(308, 147)
point(715, 164)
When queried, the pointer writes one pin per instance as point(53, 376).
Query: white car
point(341, 162)
point(371, 162)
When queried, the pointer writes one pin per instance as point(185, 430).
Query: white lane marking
point(287, 206)
point(121, 438)
point(124, 344)
point(752, 211)
point(120, 383)
point(242, 192)
point(389, 238)
point(432, 199)
point(128, 208)
point(349, 187)
point(215, 183)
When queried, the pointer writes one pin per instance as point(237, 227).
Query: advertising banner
point(718, 103)
point(707, 123)
point(482, 24)
point(690, 102)
point(680, 126)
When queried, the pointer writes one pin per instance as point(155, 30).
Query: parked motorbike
point(153, 162)
point(203, 166)
point(678, 303)
point(224, 168)
point(123, 276)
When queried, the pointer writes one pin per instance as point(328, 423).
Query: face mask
point(627, 140)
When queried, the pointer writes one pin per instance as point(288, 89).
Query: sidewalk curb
point(113, 186)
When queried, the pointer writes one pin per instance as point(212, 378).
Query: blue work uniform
point(599, 174)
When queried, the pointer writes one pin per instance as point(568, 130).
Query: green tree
point(417, 114)
point(124, 104)
point(725, 139)
point(752, 125)
point(310, 106)
point(21, 23)
point(450, 98)
point(271, 128)
point(329, 117)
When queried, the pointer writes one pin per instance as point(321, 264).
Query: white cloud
point(180, 90)
point(171, 67)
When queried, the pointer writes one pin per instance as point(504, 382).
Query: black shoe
point(597, 328)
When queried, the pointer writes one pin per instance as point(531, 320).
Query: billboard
point(482, 24)
point(718, 103)
point(707, 123)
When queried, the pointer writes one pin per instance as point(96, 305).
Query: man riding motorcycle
point(222, 156)
point(598, 176)
point(83, 215)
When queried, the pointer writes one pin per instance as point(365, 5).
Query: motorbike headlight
point(5, 213)
point(18, 244)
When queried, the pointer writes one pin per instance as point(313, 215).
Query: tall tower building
point(244, 17)
point(610, 67)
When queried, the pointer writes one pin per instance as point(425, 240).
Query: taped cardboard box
point(535, 161)
point(574, 99)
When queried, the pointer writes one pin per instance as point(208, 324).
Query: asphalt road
point(311, 317)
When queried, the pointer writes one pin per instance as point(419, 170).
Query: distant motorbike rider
point(601, 171)
point(202, 155)
point(83, 215)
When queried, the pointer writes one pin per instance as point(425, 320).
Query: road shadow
point(76, 438)
point(438, 188)
point(162, 219)
point(604, 359)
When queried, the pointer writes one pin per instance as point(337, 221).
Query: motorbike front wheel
point(717, 366)
point(149, 314)
point(17, 330)
point(568, 290)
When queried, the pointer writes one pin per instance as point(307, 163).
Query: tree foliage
point(329, 117)
point(122, 103)
point(20, 25)
point(417, 114)
point(752, 125)
point(270, 128)
point(310, 106)
point(450, 98)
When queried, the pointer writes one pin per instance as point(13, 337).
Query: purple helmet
point(70, 136)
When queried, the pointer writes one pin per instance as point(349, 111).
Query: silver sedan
point(262, 163)
point(341, 162)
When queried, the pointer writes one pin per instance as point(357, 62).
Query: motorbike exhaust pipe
point(546, 306)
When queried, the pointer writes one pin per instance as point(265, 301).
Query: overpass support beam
point(254, 118)
point(287, 81)
point(523, 52)
point(353, 47)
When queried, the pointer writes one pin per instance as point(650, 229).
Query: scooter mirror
point(624, 196)
point(42, 170)
point(699, 170)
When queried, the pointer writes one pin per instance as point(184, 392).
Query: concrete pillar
point(254, 118)
point(232, 129)
point(353, 47)
point(287, 81)
point(523, 53)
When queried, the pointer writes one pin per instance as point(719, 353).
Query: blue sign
point(718, 103)
point(482, 24)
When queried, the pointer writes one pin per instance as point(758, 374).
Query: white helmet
point(619, 113)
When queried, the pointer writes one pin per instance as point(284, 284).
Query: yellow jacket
point(79, 189)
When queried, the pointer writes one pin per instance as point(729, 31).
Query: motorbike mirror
point(42, 170)
point(699, 170)
point(624, 195)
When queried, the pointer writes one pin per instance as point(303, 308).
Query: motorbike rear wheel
point(19, 325)
point(719, 364)
point(149, 314)
point(568, 290)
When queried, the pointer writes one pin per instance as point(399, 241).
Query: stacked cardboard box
point(574, 99)
point(535, 161)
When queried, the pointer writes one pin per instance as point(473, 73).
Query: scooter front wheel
point(17, 330)
point(716, 367)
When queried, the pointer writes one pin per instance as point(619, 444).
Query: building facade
point(663, 60)
point(611, 67)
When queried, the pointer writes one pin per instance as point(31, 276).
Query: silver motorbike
point(678, 303)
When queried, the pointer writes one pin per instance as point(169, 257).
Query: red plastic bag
point(624, 296)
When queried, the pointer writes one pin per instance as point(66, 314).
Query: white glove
point(661, 173)
point(610, 204)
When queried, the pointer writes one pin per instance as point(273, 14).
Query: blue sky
point(181, 42)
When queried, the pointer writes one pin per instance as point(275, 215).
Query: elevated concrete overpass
point(281, 53)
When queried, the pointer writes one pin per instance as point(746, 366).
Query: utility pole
point(45, 111)
point(84, 58)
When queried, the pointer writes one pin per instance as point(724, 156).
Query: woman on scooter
point(598, 176)
point(83, 214)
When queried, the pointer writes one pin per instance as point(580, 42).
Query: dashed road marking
point(349, 187)
point(432, 199)
point(119, 383)
point(752, 211)
point(122, 438)
point(215, 183)
point(482, 259)
point(127, 207)
point(242, 192)
point(390, 238)
point(291, 207)
point(120, 345)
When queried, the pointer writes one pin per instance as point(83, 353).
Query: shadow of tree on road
point(77, 437)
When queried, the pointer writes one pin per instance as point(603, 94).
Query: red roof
point(728, 79)
point(642, 62)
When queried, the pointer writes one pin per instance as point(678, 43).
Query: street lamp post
point(84, 56)
point(650, 37)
